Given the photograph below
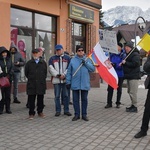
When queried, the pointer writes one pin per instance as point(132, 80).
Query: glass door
point(78, 35)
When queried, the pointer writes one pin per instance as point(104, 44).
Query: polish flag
point(104, 67)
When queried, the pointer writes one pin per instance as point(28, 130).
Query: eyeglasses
point(80, 50)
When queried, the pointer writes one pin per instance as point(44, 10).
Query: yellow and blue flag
point(145, 42)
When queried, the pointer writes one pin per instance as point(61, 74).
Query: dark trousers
point(111, 90)
point(146, 114)
point(40, 106)
point(5, 98)
point(76, 102)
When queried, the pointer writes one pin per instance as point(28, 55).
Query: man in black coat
point(131, 67)
point(146, 114)
point(36, 73)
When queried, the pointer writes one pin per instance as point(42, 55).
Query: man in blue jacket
point(116, 59)
point(79, 81)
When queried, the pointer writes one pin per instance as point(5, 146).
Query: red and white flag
point(104, 67)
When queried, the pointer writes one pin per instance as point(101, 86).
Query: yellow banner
point(145, 42)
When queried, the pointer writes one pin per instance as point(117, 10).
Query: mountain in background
point(124, 15)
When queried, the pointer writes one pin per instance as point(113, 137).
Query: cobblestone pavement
point(107, 129)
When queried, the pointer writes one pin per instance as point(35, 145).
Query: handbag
point(4, 82)
point(147, 82)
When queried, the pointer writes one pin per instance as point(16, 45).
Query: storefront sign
point(80, 13)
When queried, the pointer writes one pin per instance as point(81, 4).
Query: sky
point(143, 4)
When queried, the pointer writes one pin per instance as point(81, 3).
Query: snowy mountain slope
point(124, 14)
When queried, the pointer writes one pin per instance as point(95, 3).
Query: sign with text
point(80, 13)
point(108, 41)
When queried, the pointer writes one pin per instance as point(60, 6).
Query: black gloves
point(58, 75)
point(68, 86)
point(114, 65)
point(83, 61)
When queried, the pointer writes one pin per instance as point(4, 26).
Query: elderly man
point(58, 65)
point(36, 73)
point(131, 67)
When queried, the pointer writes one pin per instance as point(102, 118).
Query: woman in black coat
point(6, 66)
point(36, 73)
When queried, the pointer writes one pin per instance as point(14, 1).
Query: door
point(78, 36)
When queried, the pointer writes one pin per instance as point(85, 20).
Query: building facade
point(31, 24)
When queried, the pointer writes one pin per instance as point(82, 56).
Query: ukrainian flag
point(145, 42)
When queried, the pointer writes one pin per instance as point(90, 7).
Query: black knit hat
point(120, 44)
point(78, 46)
point(129, 44)
point(35, 50)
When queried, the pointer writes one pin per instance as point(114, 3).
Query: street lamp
point(141, 26)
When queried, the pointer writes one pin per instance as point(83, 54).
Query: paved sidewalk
point(107, 129)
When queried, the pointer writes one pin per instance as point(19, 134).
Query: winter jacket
point(36, 74)
point(116, 59)
point(132, 66)
point(81, 80)
point(17, 58)
point(58, 65)
point(6, 68)
point(146, 66)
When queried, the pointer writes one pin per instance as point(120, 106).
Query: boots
point(16, 101)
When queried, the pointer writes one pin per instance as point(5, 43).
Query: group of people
point(11, 62)
point(127, 66)
point(70, 73)
point(63, 76)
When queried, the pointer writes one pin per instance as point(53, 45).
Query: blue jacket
point(116, 59)
point(81, 80)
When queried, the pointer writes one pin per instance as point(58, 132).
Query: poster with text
point(108, 41)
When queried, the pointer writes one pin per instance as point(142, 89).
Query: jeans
point(68, 92)
point(58, 88)
point(76, 102)
point(16, 77)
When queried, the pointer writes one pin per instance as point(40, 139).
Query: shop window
point(45, 22)
point(45, 41)
point(31, 30)
point(21, 18)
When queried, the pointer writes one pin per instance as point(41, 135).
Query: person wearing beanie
point(58, 65)
point(36, 73)
point(6, 66)
point(131, 67)
point(120, 45)
point(79, 81)
point(116, 59)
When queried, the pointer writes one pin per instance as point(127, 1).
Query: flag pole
point(129, 53)
point(79, 67)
